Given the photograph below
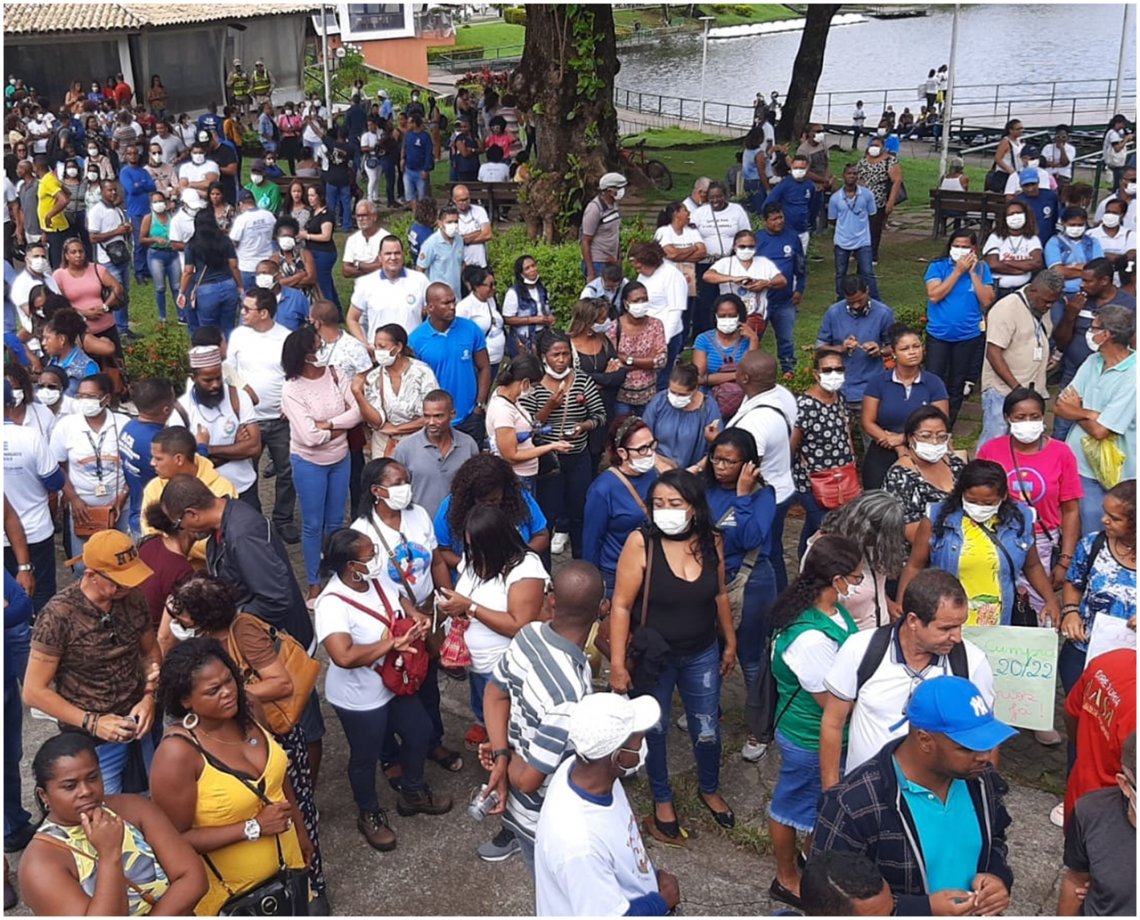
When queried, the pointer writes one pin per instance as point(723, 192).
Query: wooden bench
point(495, 197)
point(964, 208)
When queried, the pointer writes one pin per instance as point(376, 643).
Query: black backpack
point(881, 641)
point(760, 707)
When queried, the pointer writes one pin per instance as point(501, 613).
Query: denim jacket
point(946, 549)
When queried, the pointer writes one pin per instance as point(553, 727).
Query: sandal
point(451, 761)
point(725, 819)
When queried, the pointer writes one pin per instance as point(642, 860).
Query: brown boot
point(422, 802)
point(374, 826)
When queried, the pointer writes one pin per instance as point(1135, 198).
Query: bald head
point(440, 304)
point(756, 372)
point(578, 593)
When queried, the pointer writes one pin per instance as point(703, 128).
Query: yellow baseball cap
point(113, 554)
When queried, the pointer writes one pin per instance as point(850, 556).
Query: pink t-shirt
point(328, 398)
point(502, 413)
point(1042, 480)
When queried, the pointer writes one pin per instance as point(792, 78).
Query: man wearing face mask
point(1018, 329)
point(718, 222)
point(292, 305)
point(590, 859)
point(795, 193)
point(779, 244)
point(200, 171)
point(265, 193)
point(37, 271)
point(599, 238)
point(850, 211)
point(1030, 159)
point(1043, 202)
point(94, 662)
point(441, 255)
point(391, 295)
point(252, 235)
point(1125, 192)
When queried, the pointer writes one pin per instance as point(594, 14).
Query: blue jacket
point(293, 310)
point(785, 251)
point(137, 188)
point(795, 198)
point(748, 527)
point(946, 549)
point(867, 814)
point(612, 515)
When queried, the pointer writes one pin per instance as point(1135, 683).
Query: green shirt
point(799, 722)
point(1112, 393)
point(267, 195)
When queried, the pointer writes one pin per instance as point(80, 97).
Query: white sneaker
point(559, 543)
point(1057, 815)
point(753, 750)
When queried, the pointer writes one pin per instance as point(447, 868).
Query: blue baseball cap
point(1029, 176)
point(954, 707)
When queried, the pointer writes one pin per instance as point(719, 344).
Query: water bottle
point(482, 802)
point(522, 436)
point(543, 431)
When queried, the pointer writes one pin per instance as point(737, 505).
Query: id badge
point(1038, 353)
point(100, 490)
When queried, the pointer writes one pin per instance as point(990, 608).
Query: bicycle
point(657, 172)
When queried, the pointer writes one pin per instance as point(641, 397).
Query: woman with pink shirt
point(321, 409)
point(82, 282)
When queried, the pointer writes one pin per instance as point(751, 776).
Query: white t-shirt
point(1129, 221)
point(1111, 246)
point(9, 196)
point(772, 436)
point(668, 293)
point(103, 219)
point(28, 460)
point(1053, 152)
point(39, 418)
point(502, 413)
point(358, 689)
point(171, 146)
point(252, 234)
point(811, 656)
point(22, 287)
point(485, 645)
point(222, 424)
point(413, 545)
point(382, 301)
point(718, 228)
point(256, 357)
point(487, 317)
point(190, 172)
point(361, 248)
point(1013, 183)
point(469, 222)
point(880, 702)
point(87, 452)
point(181, 230)
point(368, 141)
point(494, 172)
point(760, 268)
point(1013, 247)
point(590, 860)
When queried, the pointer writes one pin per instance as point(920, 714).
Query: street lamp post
point(1125, 34)
point(707, 20)
point(325, 57)
point(948, 102)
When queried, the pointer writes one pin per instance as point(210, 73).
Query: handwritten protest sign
point(1024, 662)
point(1109, 633)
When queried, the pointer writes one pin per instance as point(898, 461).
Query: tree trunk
point(805, 72)
point(565, 82)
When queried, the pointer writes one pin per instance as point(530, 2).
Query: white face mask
point(93, 177)
point(449, 229)
point(384, 358)
point(48, 395)
point(727, 324)
point(38, 264)
point(818, 137)
point(1027, 432)
point(159, 207)
point(399, 497)
point(1074, 231)
point(17, 397)
point(72, 171)
point(798, 174)
point(979, 513)
point(1090, 340)
point(1111, 220)
point(677, 401)
point(745, 253)
point(958, 252)
point(1129, 189)
point(265, 280)
point(642, 753)
point(88, 406)
point(256, 178)
point(619, 194)
point(832, 382)
point(93, 152)
point(531, 281)
point(557, 375)
point(286, 243)
point(643, 464)
point(197, 158)
point(1015, 221)
point(1032, 164)
point(156, 158)
point(638, 310)
point(671, 521)
point(931, 453)
point(843, 595)
point(874, 151)
point(182, 633)
point(602, 328)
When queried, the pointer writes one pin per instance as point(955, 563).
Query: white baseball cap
point(613, 180)
point(601, 722)
point(192, 199)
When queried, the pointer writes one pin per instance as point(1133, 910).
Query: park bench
point(981, 208)
point(496, 197)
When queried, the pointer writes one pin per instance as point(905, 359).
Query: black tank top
point(684, 612)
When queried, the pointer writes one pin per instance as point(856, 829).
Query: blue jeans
point(621, 408)
point(365, 731)
point(598, 266)
point(697, 678)
point(113, 762)
point(673, 349)
point(42, 556)
point(17, 639)
point(340, 196)
point(217, 305)
point(415, 185)
point(777, 557)
point(248, 280)
point(813, 517)
point(166, 272)
point(752, 633)
point(782, 318)
point(140, 251)
point(1092, 505)
point(477, 686)
point(322, 490)
point(324, 264)
point(863, 266)
point(123, 274)
point(993, 419)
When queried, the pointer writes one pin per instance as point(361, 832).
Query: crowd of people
point(651, 446)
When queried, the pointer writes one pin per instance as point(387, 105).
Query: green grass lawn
point(490, 35)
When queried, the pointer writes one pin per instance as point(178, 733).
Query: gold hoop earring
point(190, 721)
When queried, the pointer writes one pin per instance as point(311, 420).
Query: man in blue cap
point(928, 810)
point(1040, 199)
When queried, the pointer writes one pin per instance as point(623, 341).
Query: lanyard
point(1038, 325)
point(98, 451)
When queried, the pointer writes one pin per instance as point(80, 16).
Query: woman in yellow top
point(115, 856)
point(193, 776)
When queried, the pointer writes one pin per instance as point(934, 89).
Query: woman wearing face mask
point(749, 277)
point(479, 306)
point(1013, 252)
point(51, 392)
point(616, 499)
point(672, 570)
point(566, 401)
point(685, 419)
point(928, 469)
point(162, 261)
point(810, 623)
point(97, 159)
point(1114, 239)
point(639, 340)
point(821, 440)
point(62, 340)
point(87, 447)
point(880, 172)
point(74, 180)
point(1042, 473)
point(717, 352)
point(320, 408)
point(298, 270)
point(511, 426)
point(526, 307)
point(27, 411)
point(667, 294)
point(890, 398)
point(164, 174)
point(1070, 250)
point(596, 356)
point(391, 395)
point(985, 539)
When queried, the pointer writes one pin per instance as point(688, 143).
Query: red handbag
point(833, 489)
point(453, 653)
point(402, 672)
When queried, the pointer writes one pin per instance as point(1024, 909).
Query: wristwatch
point(26, 567)
point(471, 610)
point(252, 829)
point(500, 752)
point(629, 360)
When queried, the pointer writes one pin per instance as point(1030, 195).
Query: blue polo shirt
point(535, 522)
point(441, 259)
point(852, 217)
point(1046, 208)
point(1061, 250)
point(293, 309)
point(795, 199)
point(958, 316)
point(451, 356)
point(896, 403)
point(1112, 393)
point(948, 834)
point(838, 324)
point(783, 249)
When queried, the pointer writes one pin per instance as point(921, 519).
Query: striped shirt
point(544, 675)
point(582, 403)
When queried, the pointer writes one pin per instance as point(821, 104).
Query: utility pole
point(1125, 35)
point(325, 58)
point(707, 20)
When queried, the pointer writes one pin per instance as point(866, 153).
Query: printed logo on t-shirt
point(1026, 485)
point(637, 846)
point(787, 249)
point(466, 356)
point(411, 298)
point(409, 562)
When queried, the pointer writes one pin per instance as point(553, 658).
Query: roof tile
point(38, 18)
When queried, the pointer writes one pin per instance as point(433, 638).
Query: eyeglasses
point(932, 437)
point(854, 579)
point(645, 450)
point(724, 461)
point(247, 309)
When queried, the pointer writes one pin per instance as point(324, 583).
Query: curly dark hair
point(182, 663)
point(483, 475)
point(208, 601)
point(980, 473)
point(830, 556)
point(68, 323)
